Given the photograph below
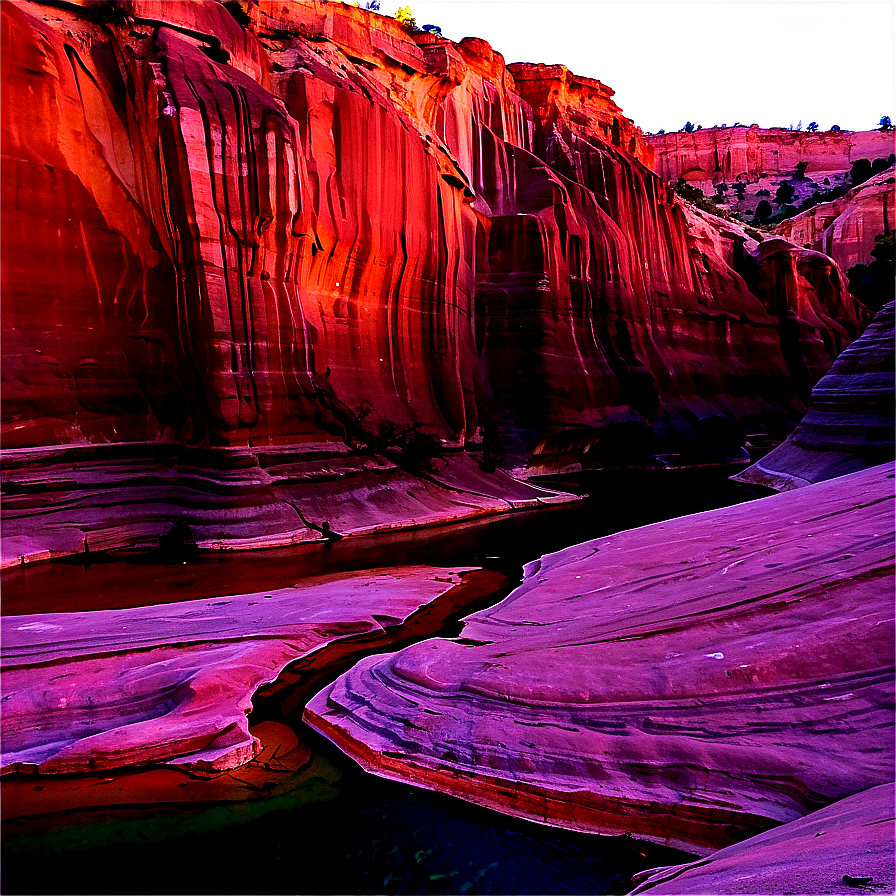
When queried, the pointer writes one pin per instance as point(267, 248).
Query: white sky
point(707, 61)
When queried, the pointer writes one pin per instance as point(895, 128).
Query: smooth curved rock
point(844, 848)
point(174, 683)
point(691, 682)
point(850, 423)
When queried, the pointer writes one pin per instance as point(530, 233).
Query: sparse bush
point(801, 167)
point(812, 127)
point(764, 210)
point(873, 284)
point(784, 193)
point(860, 171)
point(763, 193)
point(406, 445)
point(405, 18)
point(106, 12)
point(885, 123)
point(835, 127)
point(688, 127)
point(240, 16)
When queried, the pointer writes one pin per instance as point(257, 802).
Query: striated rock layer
point(298, 225)
point(691, 682)
point(713, 155)
point(846, 227)
point(174, 683)
point(850, 424)
point(839, 849)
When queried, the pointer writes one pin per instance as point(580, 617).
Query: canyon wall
point(262, 233)
point(845, 228)
point(714, 155)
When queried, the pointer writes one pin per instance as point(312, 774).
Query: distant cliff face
point(725, 155)
point(846, 227)
point(249, 234)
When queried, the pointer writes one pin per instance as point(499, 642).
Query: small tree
point(688, 127)
point(405, 18)
point(860, 171)
point(812, 127)
point(835, 127)
point(801, 170)
point(784, 193)
point(885, 123)
point(764, 210)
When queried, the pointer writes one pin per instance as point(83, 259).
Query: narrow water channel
point(327, 827)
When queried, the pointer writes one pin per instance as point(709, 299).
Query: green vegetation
point(764, 210)
point(688, 127)
point(697, 197)
point(405, 18)
point(860, 171)
point(872, 284)
point(885, 123)
point(812, 127)
point(801, 170)
point(784, 193)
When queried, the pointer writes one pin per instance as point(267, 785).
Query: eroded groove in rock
point(691, 682)
point(174, 683)
point(838, 849)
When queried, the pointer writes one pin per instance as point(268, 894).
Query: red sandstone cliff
point(714, 155)
point(846, 227)
point(241, 237)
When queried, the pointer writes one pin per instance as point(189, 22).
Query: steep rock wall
point(293, 229)
point(713, 155)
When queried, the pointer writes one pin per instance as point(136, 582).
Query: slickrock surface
point(69, 501)
point(851, 839)
point(705, 157)
point(692, 682)
point(174, 683)
point(846, 227)
point(280, 235)
point(850, 423)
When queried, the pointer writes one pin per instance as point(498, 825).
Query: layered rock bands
point(691, 682)
point(174, 683)
point(260, 230)
point(850, 423)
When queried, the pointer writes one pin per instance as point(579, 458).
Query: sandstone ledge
point(68, 500)
point(174, 683)
point(692, 682)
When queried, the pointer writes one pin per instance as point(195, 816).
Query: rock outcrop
point(844, 848)
point(238, 239)
point(174, 683)
point(692, 682)
point(850, 423)
point(846, 227)
point(726, 155)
